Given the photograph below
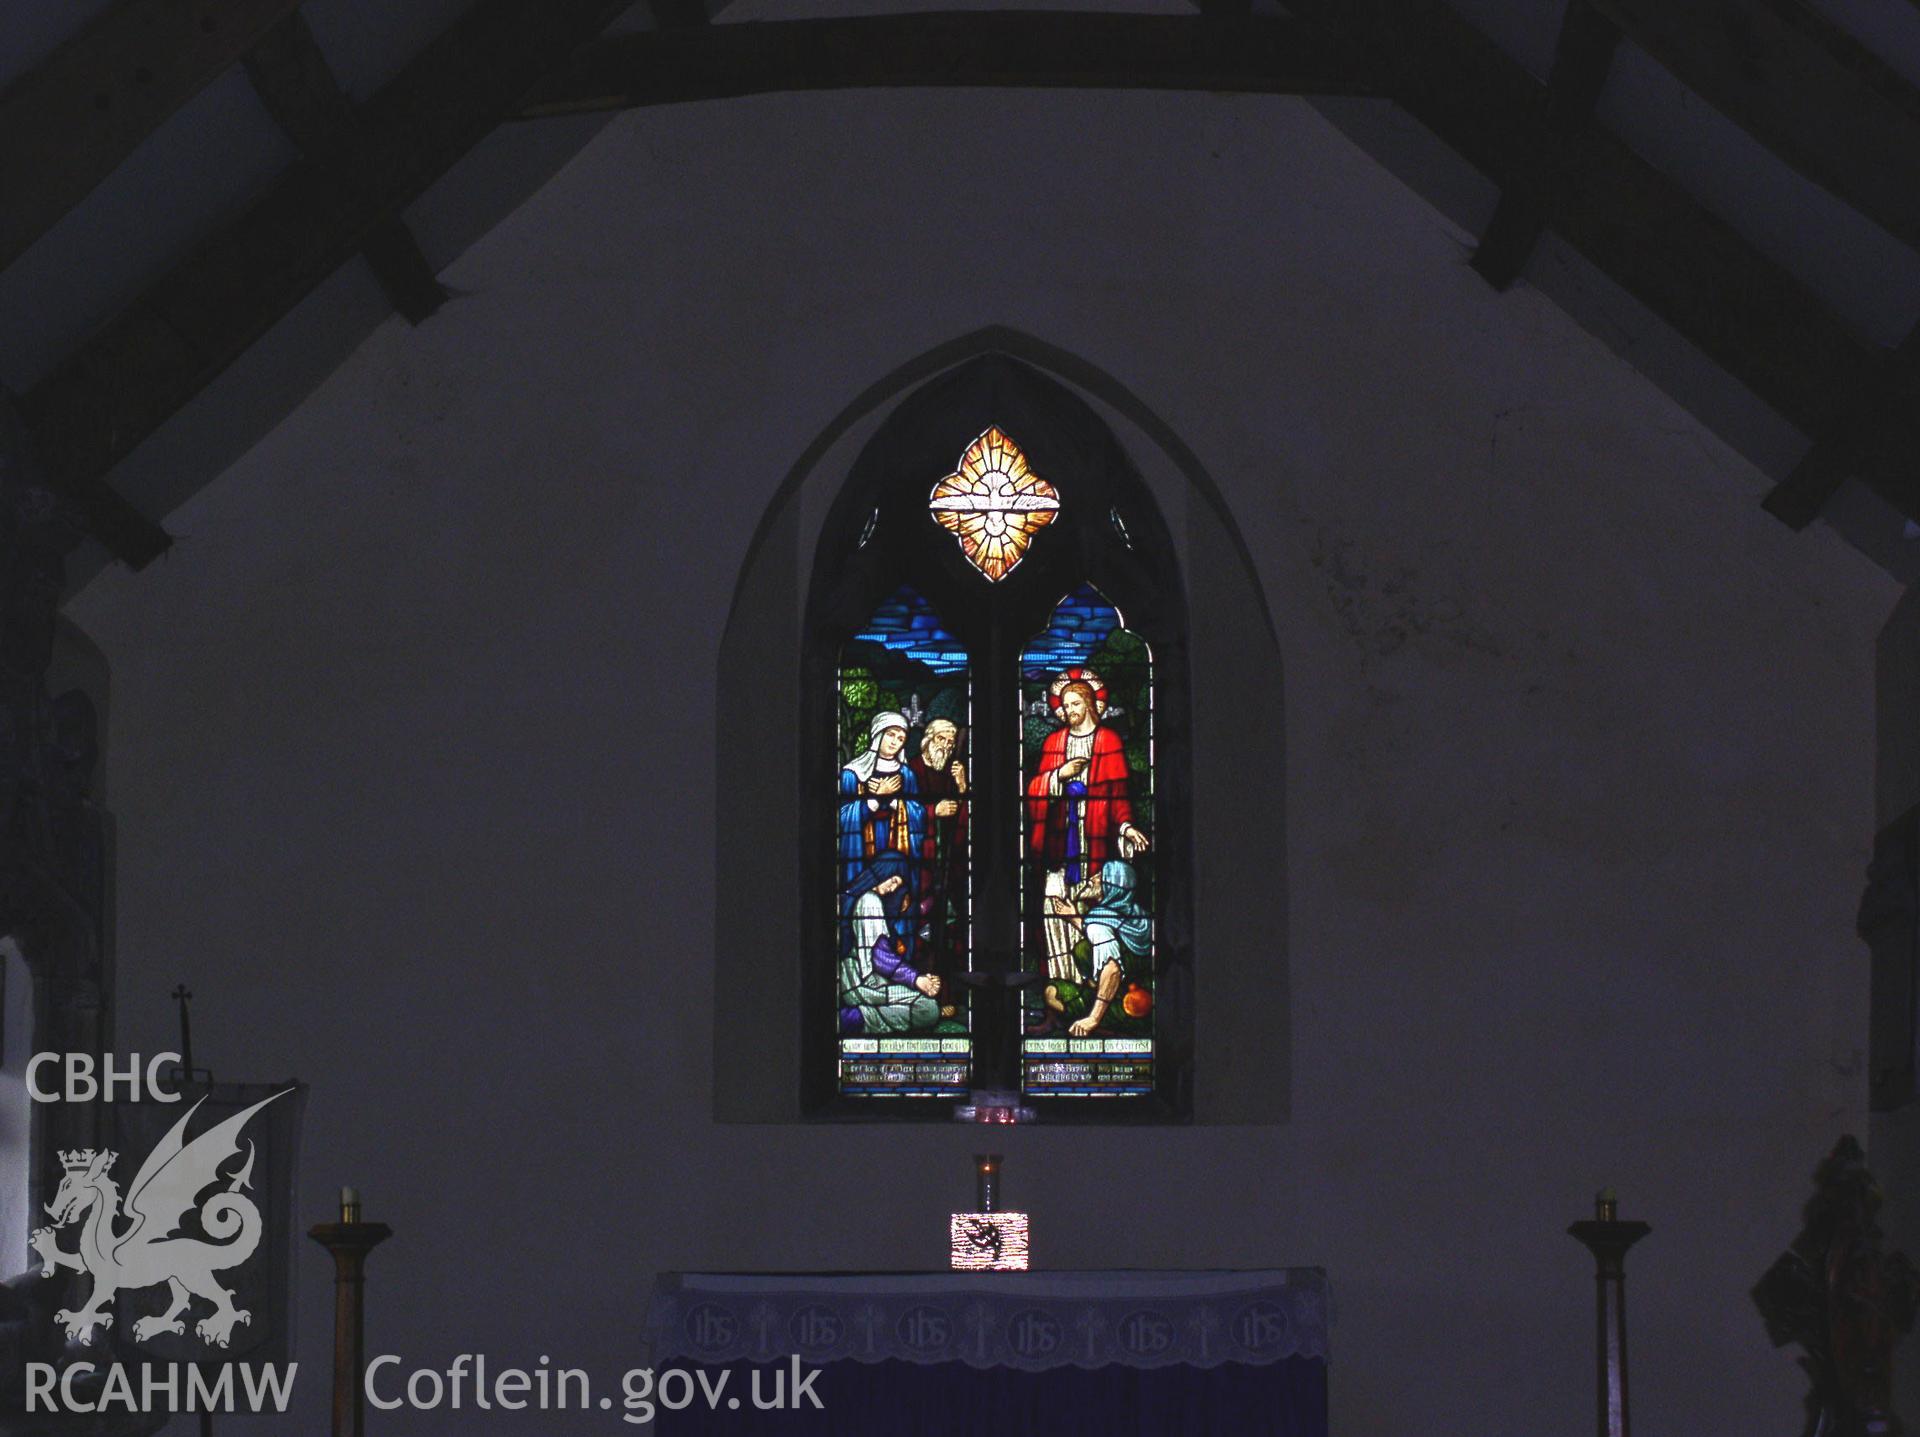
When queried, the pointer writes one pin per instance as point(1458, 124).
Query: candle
point(986, 1167)
point(349, 1204)
point(1606, 1205)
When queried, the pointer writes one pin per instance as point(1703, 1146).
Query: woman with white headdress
point(879, 808)
point(881, 991)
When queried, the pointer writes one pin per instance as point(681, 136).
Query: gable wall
point(412, 757)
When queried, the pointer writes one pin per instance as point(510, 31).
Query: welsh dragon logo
point(140, 1246)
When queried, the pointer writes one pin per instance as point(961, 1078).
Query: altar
point(1067, 1354)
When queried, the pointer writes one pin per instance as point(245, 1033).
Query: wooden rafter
point(1817, 98)
point(172, 341)
point(1643, 230)
point(297, 85)
point(1582, 59)
point(165, 347)
point(1633, 223)
point(1801, 86)
point(1032, 48)
point(1638, 226)
point(65, 125)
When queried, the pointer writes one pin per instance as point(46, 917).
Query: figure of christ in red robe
point(941, 779)
point(1078, 815)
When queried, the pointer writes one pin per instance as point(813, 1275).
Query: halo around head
point(1079, 675)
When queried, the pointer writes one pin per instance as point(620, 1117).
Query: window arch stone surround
point(1241, 1019)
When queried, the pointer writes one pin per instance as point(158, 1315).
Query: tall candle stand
point(1608, 1239)
point(349, 1240)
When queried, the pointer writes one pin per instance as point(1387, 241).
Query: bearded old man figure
point(942, 781)
point(1078, 812)
point(879, 807)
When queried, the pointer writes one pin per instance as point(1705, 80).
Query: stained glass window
point(1087, 885)
point(903, 857)
point(1006, 923)
point(994, 504)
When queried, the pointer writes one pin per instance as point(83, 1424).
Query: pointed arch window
point(997, 885)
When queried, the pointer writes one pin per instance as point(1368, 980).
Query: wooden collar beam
point(1041, 49)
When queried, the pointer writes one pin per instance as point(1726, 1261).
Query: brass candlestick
point(1608, 1239)
point(349, 1240)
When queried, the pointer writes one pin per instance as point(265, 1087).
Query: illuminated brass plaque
point(989, 1241)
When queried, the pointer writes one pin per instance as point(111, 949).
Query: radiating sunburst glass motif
point(994, 504)
point(903, 900)
point(1088, 886)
